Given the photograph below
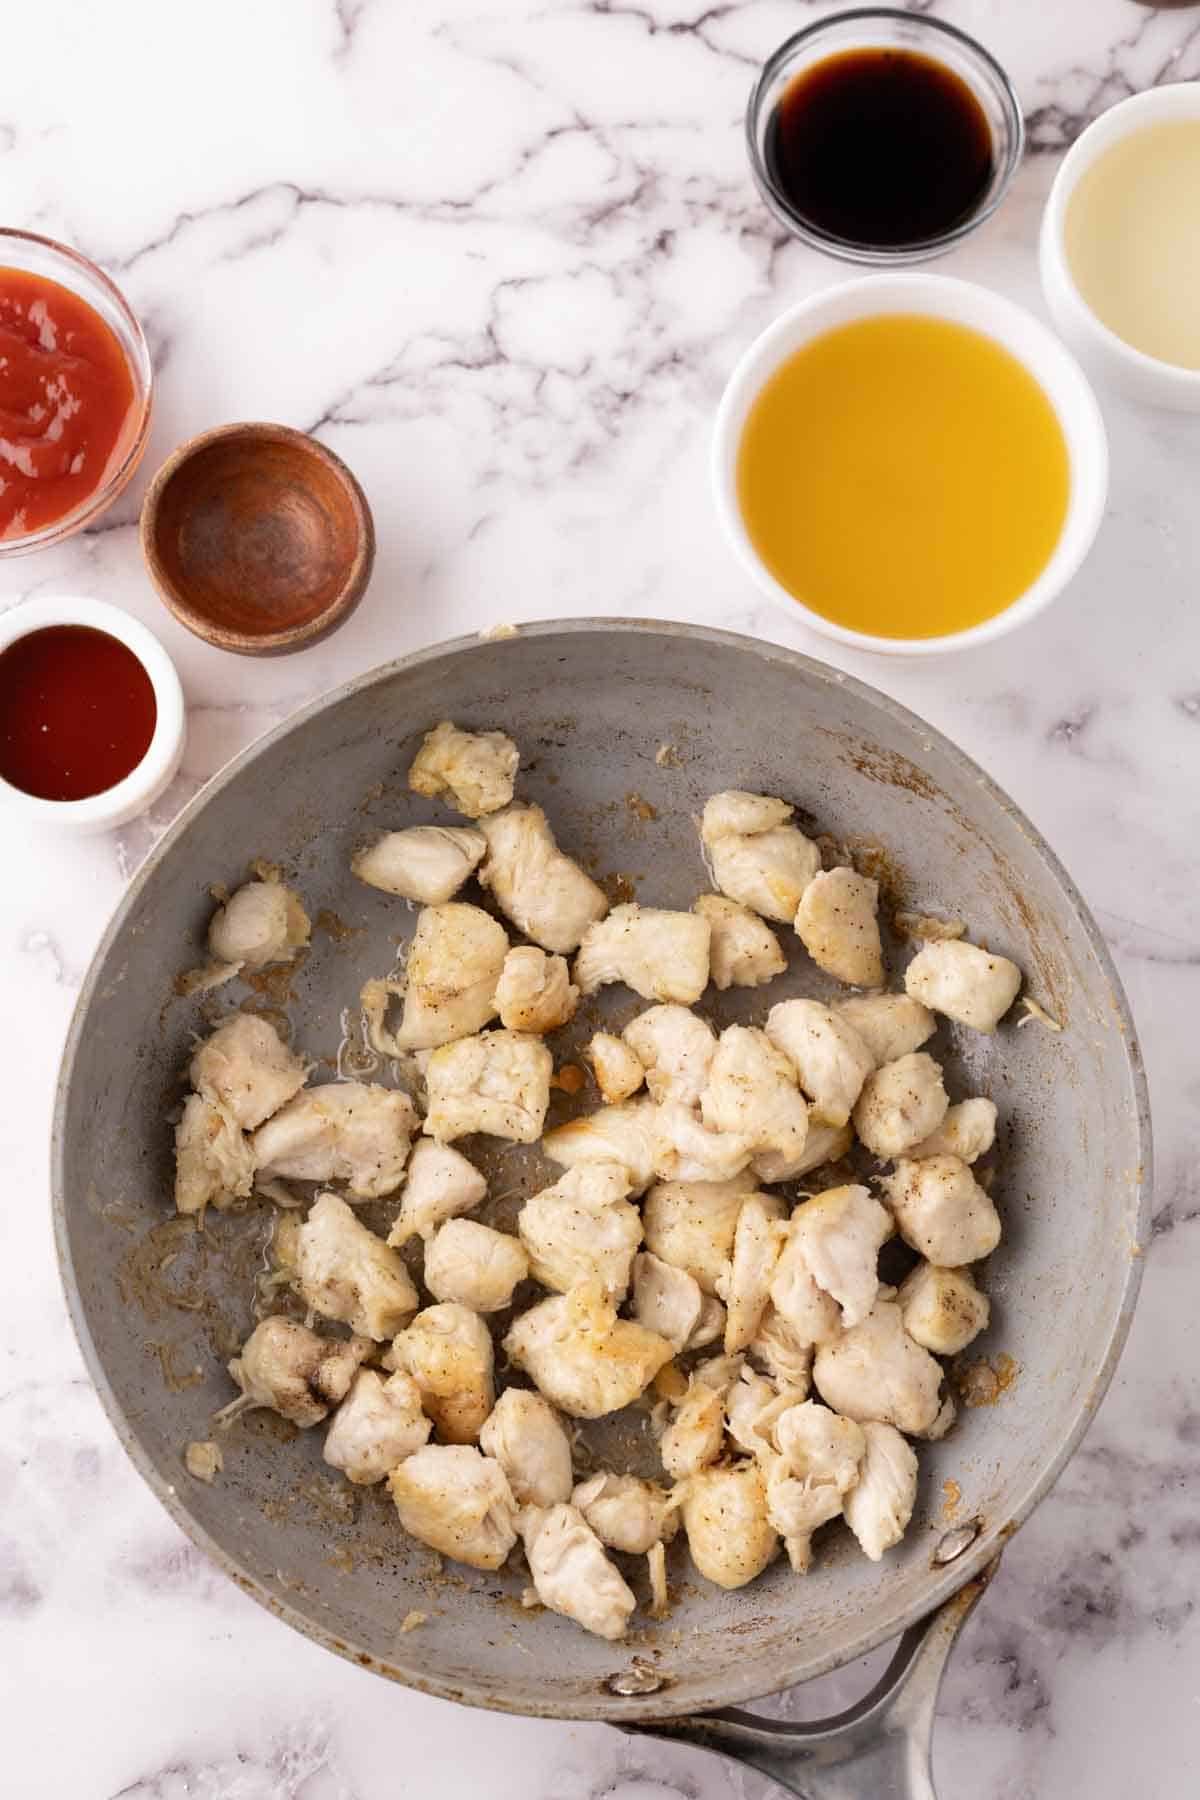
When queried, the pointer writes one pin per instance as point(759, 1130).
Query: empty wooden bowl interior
point(258, 537)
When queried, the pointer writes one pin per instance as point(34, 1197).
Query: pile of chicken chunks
point(783, 1379)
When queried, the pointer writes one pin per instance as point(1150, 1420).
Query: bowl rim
point(916, 249)
point(902, 291)
point(148, 778)
point(952, 1576)
point(292, 637)
point(141, 369)
point(1170, 99)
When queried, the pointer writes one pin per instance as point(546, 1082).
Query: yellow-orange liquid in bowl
point(904, 476)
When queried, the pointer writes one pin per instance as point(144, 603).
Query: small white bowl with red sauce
point(92, 723)
point(76, 388)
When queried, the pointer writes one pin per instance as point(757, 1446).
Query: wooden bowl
point(258, 538)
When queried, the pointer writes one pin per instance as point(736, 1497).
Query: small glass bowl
point(36, 255)
point(885, 28)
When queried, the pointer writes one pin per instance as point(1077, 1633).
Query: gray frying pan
point(159, 1307)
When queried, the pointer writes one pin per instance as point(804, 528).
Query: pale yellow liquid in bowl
point(1132, 233)
point(903, 476)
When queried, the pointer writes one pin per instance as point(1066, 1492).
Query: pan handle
point(879, 1749)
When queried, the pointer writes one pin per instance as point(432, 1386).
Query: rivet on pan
point(955, 1542)
point(640, 1679)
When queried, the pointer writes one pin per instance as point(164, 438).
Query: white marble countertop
point(501, 256)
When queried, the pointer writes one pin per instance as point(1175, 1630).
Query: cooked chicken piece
point(757, 1243)
point(837, 1235)
point(796, 1508)
point(685, 1150)
point(827, 1054)
point(752, 1093)
point(752, 1407)
point(473, 770)
point(544, 893)
point(263, 922)
point(755, 856)
point(691, 1225)
point(660, 1596)
point(968, 1131)
point(441, 1184)
point(426, 863)
point(675, 1047)
point(623, 1134)
point(527, 1439)
point(824, 1144)
point(458, 1502)
point(900, 1104)
point(290, 1369)
point(819, 1446)
point(665, 1299)
point(725, 1517)
point(572, 1575)
point(710, 1325)
point(743, 952)
point(247, 1067)
point(582, 1229)
point(660, 955)
point(876, 1371)
point(964, 982)
point(473, 1264)
point(343, 1271)
point(943, 1310)
point(890, 1025)
point(618, 1071)
point(498, 1082)
point(696, 1434)
point(214, 1161)
point(942, 1211)
point(454, 965)
point(583, 1358)
point(627, 1513)
point(345, 1131)
point(448, 1352)
point(534, 992)
point(377, 1425)
point(786, 1357)
point(880, 1504)
point(837, 924)
point(812, 1315)
point(946, 1414)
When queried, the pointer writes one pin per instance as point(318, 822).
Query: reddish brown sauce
point(66, 395)
point(77, 712)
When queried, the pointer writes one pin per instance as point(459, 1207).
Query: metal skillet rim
point(735, 1687)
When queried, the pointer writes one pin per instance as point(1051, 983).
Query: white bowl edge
point(142, 786)
point(1131, 371)
point(940, 296)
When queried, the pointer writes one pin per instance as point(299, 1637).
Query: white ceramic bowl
point(142, 786)
point(1105, 354)
point(935, 296)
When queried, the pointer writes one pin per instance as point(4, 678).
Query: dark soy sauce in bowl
point(880, 146)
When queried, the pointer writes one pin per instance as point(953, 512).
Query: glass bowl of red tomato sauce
point(75, 392)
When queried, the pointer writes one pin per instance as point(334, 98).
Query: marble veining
point(501, 255)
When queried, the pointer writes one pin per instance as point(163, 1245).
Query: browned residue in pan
point(951, 1498)
point(619, 887)
point(175, 1379)
point(142, 1271)
point(569, 1079)
point(891, 769)
point(336, 928)
point(983, 1382)
point(275, 983)
point(640, 807)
